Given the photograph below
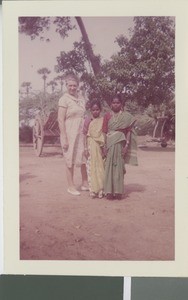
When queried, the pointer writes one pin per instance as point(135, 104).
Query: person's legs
point(71, 187)
point(70, 173)
point(84, 176)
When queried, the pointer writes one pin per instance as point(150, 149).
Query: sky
point(36, 54)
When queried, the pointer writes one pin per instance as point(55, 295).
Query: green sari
point(115, 163)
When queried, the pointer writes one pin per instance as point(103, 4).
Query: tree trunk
point(93, 59)
point(44, 87)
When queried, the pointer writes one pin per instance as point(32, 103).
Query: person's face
point(116, 105)
point(72, 87)
point(95, 110)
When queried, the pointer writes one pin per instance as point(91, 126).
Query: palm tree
point(44, 72)
point(27, 86)
point(53, 85)
point(60, 78)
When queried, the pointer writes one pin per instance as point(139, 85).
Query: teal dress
point(118, 125)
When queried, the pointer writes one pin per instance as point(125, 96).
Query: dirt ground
point(57, 226)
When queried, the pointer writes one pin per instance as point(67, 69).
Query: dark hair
point(117, 96)
point(95, 102)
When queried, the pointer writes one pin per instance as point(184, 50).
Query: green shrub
point(25, 134)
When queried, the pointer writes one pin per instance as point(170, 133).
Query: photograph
point(96, 138)
point(94, 148)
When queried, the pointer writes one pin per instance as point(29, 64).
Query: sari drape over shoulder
point(117, 128)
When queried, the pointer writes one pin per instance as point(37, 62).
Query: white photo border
point(11, 11)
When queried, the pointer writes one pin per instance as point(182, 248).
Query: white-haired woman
point(70, 117)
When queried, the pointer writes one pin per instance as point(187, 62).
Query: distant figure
point(120, 147)
point(70, 117)
point(94, 142)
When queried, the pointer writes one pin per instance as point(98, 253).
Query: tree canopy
point(142, 70)
point(150, 58)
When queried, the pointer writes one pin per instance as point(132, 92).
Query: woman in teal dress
point(121, 148)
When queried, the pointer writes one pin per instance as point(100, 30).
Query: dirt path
point(58, 226)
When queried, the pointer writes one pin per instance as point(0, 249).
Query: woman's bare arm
point(63, 134)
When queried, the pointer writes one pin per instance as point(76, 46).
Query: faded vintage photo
point(97, 138)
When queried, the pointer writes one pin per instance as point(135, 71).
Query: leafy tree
point(35, 26)
point(25, 134)
point(35, 104)
point(149, 59)
point(74, 60)
point(142, 70)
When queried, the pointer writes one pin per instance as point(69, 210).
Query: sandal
point(93, 195)
point(73, 192)
point(101, 195)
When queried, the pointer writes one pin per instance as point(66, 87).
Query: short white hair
point(72, 77)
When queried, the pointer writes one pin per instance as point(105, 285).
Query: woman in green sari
point(121, 147)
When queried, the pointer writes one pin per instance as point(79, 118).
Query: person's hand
point(124, 151)
point(65, 146)
point(86, 153)
point(104, 151)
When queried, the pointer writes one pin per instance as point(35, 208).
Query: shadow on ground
point(51, 154)
point(133, 187)
point(26, 176)
point(156, 149)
